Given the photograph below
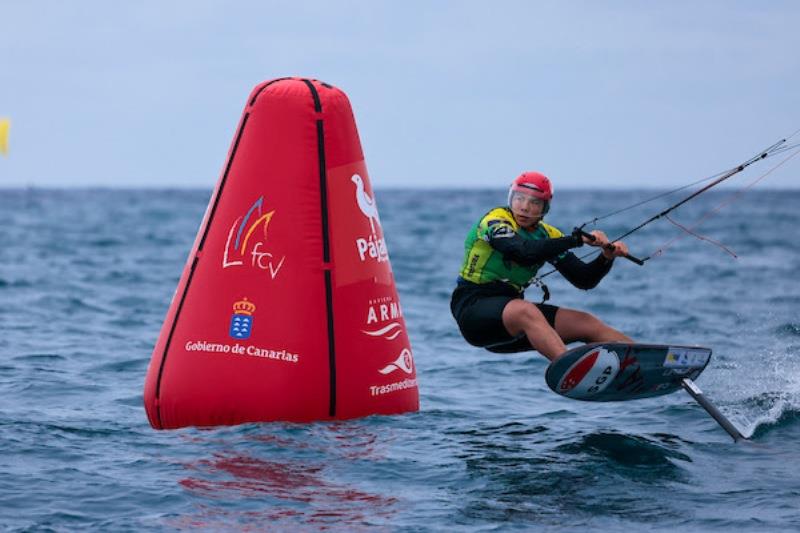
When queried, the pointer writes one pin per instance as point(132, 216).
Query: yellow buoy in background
point(5, 125)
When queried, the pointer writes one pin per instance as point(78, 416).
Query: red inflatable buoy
point(287, 307)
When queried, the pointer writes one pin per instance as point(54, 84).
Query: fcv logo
point(247, 241)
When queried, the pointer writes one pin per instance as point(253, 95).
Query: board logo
point(373, 246)
point(686, 358)
point(403, 362)
point(242, 320)
point(590, 375)
point(247, 245)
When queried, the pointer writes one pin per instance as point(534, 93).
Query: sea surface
point(86, 277)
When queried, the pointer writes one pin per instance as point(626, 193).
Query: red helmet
point(533, 184)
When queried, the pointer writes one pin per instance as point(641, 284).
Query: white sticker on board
point(686, 357)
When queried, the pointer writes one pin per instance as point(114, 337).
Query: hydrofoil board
point(605, 372)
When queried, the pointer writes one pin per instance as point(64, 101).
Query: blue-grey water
point(86, 277)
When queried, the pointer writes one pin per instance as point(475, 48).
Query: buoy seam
point(224, 180)
point(331, 342)
point(314, 95)
point(255, 96)
point(194, 265)
point(323, 193)
point(169, 341)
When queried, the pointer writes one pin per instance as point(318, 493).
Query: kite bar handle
point(610, 246)
point(695, 392)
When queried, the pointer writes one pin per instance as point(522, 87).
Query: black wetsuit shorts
point(478, 310)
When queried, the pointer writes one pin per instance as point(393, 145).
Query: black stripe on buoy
point(326, 252)
point(194, 265)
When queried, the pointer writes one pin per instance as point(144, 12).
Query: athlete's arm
point(583, 275)
point(528, 252)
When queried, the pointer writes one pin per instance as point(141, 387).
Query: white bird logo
point(365, 203)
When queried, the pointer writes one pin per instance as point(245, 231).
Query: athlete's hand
point(600, 238)
point(610, 251)
point(617, 249)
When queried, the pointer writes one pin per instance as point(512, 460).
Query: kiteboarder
point(503, 252)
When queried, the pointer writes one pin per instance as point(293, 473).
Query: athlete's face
point(528, 210)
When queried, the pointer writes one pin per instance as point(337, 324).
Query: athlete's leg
point(572, 326)
point(521, 316)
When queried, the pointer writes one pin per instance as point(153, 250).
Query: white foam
point(758, 389)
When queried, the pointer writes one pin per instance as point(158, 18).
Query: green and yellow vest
point(483, 264)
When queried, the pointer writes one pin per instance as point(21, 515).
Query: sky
point(596, 94)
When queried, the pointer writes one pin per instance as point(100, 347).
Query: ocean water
point(86, 277)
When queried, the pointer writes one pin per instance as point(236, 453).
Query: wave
point(628, 450)
point(17, 284)
point(782, 411)
point(34, 357)
point(789, 330)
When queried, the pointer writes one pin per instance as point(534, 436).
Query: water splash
point(766, 391)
